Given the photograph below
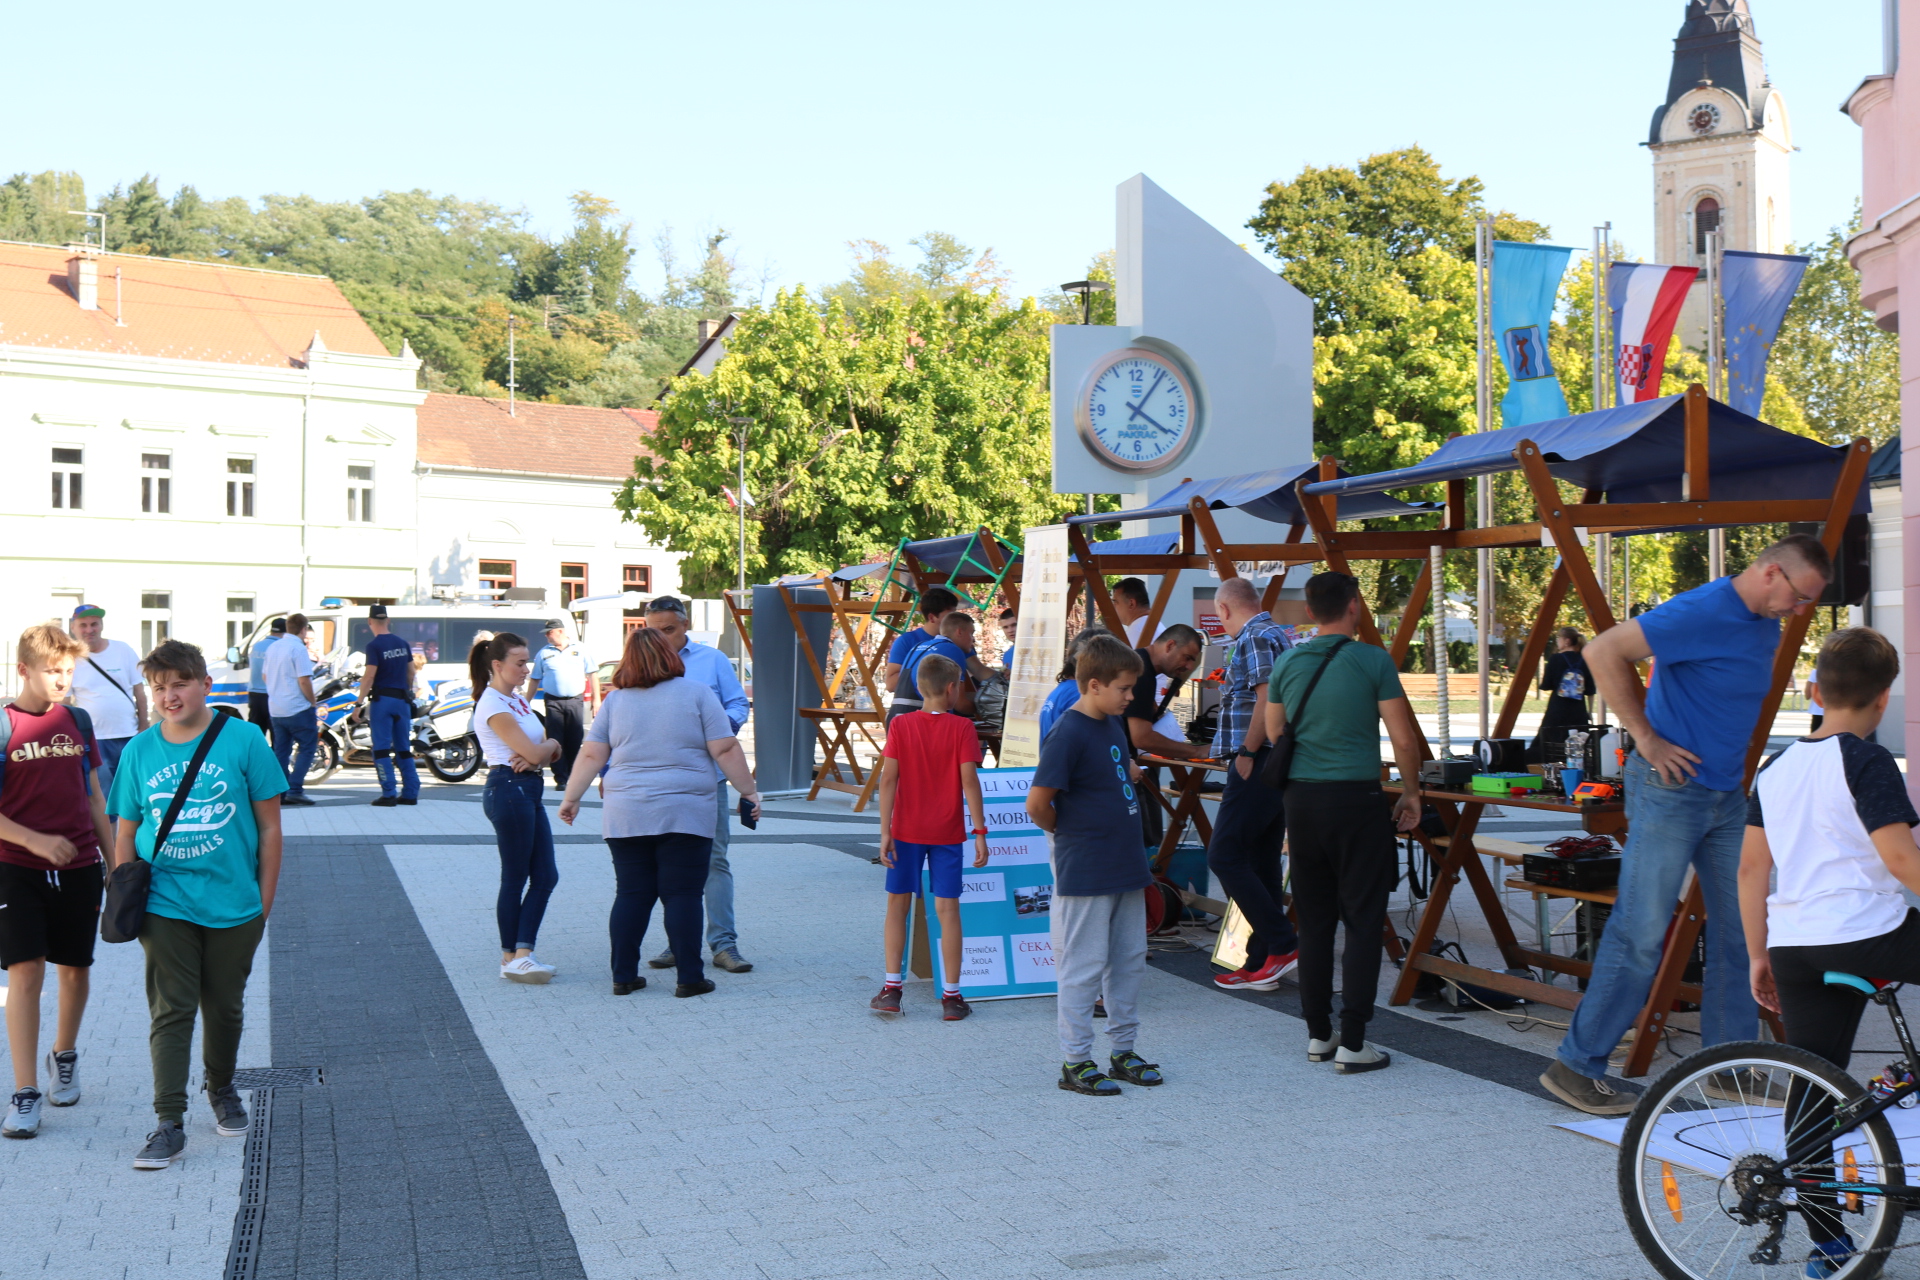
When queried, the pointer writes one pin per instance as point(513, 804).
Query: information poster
point(1040, 641)
point(1005, 906)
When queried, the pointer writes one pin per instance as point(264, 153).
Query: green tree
point(905, 418)
point(946, 266)
point(37, 207)
point(1839, 366)
point(1066, 308)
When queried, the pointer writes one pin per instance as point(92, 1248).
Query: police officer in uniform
point(387, 687)
point(562, 675)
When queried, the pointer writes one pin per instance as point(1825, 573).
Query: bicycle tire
point(1666, 1097)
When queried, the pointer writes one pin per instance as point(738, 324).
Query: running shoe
point(888, 1001)
point(1267, 976)
point(1235, 981)
point(63, 1070)
point(954, 1007)
point(164, 1146)
point(229, 1113)
point(23, 1114)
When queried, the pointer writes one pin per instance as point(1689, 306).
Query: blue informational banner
point(1526, 283)
point(1005, 906)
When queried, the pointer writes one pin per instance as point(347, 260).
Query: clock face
point(1704, 118)
point(1137, 410)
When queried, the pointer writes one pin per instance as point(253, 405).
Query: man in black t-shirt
point(1173, 654)
point(388, 684)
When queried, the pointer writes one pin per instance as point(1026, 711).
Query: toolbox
point(1445, 773)
point(1590, 874)
point(1503, 784)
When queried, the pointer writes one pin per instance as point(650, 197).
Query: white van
point(442, 633)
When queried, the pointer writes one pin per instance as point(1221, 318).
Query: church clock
point(1704, 119)
point(1137, 410)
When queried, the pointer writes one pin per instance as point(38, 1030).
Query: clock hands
point(1137, 412)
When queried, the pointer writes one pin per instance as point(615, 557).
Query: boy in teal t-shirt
point(213, 885)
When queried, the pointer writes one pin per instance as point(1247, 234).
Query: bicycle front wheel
point(1702, 1178)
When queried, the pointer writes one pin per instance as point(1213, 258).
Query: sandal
point(1085, 1077)
point(1132, 1068)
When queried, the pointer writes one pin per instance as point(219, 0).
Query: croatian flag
point(1645, 299)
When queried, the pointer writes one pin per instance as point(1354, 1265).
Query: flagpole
point(1602, 365)
point(1483, 494)
point(1716, 538)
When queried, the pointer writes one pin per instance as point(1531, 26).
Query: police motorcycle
point(442, 728)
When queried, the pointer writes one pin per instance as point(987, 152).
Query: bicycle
point(1746, 1157)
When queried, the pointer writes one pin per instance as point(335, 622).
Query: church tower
point(1720, 142)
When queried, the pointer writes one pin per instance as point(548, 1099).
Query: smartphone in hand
point(747, 819)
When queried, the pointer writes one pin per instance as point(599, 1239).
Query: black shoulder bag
point(1280, 757)
point(127, 888)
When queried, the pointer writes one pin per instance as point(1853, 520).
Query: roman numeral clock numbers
point(1136, 411)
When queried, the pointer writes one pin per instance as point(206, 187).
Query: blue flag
point(1526, 280)
point(1755, 289)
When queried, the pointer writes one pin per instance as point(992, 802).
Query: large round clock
point(1137, 410)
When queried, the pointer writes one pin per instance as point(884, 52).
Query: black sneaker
point(386, 802)
point(286, 802)
point(229, 1113)
point(164, 1146)
point(404, 800)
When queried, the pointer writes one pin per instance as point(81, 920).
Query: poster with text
point(1040, 641)
point(1005, 906)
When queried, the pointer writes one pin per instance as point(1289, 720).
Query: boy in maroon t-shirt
point(932, 756)
point(53, 824)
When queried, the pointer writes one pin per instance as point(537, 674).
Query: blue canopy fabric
point(1150, 544)
point(1631, 453)
point(1267, 495)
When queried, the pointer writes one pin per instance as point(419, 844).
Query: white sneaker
point(538, 963)
point(63, 1071)
point(23, 1114)
point(1368, 1057)
point(1321, 1050)
point(526, 969)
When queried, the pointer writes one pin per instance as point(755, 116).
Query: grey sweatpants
point(1099, 949)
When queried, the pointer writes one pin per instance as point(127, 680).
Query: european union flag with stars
point(1755, 289)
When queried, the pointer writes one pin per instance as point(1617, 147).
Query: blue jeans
point(669, 869)
point(391, 722)
point(299, 731)
point(110, 749)
point(720, 934)
point(511, 802)
point(1671, 827)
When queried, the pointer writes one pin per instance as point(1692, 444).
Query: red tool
point(1595, 791)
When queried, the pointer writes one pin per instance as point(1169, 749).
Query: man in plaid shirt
point(1245, 853)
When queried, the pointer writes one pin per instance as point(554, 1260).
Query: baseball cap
point(666, 604)
point(556, 624)
point(89, 611)
point(377, 611)
point(277, 627)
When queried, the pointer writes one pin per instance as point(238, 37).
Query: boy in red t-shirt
point(53, 824)
point(932, 756)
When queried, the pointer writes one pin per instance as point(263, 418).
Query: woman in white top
point(515, 746)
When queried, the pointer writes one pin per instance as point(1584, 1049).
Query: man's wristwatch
point(1245, 754)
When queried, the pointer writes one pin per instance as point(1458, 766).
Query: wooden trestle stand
point(1201, 546)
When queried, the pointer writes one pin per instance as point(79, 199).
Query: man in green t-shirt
point(213, 885)
point(1339, 828)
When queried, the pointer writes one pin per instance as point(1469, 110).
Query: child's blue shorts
point(943, 860)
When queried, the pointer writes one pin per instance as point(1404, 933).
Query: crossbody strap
point(110, 680)
point(186, 783)
point(1333, 651)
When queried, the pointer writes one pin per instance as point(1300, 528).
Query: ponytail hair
point(485, 653)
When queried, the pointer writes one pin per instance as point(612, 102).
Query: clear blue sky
point(801, 126)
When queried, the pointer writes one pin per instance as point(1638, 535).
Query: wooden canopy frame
point(1201, 546)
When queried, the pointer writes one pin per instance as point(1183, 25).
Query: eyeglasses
point(1800, 597)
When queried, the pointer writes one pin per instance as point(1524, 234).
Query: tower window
point(1706, 217)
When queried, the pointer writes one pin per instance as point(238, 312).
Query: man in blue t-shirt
point(257, 711)
point(1713, 650)
point(954, 642)
point(1085, 794)
point(388, 687)
point(935, 603)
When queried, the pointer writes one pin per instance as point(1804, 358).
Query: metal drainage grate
point(277, 1078)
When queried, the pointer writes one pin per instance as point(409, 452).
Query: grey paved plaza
point(469, 1127)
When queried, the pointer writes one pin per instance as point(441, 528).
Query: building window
point(240, 487)
point(573, 583)
point(156, 618)
point(239, 620)
point(360, 492)
point(496, 575)
point(66, 477)
point(156, 482)
point(637, 578)
point(1706, 217)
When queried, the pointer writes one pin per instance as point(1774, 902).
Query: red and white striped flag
point(1645, 299)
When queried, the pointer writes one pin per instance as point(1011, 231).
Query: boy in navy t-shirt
point(1084, 794)
point(388, 686)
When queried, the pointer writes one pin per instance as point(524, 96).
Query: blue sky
point(798, 127)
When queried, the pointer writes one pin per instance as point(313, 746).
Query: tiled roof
point(553, 439)
point(176, 309)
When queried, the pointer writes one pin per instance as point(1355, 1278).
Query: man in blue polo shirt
point(707, 665)
point(387, 687)
point(935, 604)
point(955, 642)
point(1713, 651)
point(562, 676)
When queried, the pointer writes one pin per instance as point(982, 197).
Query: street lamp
point(740, 426)
point(1086, 289)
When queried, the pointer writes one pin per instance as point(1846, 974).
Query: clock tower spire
point(1720, 141)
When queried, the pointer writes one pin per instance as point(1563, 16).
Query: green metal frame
point(994, 577)
point(907, 584)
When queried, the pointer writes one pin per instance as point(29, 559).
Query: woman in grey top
point(659, 736)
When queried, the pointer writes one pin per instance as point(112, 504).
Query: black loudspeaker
point(1500, 755)
point(1853, 567)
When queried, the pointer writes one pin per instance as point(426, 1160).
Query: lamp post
point(1086, 289)
point(740, 425)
